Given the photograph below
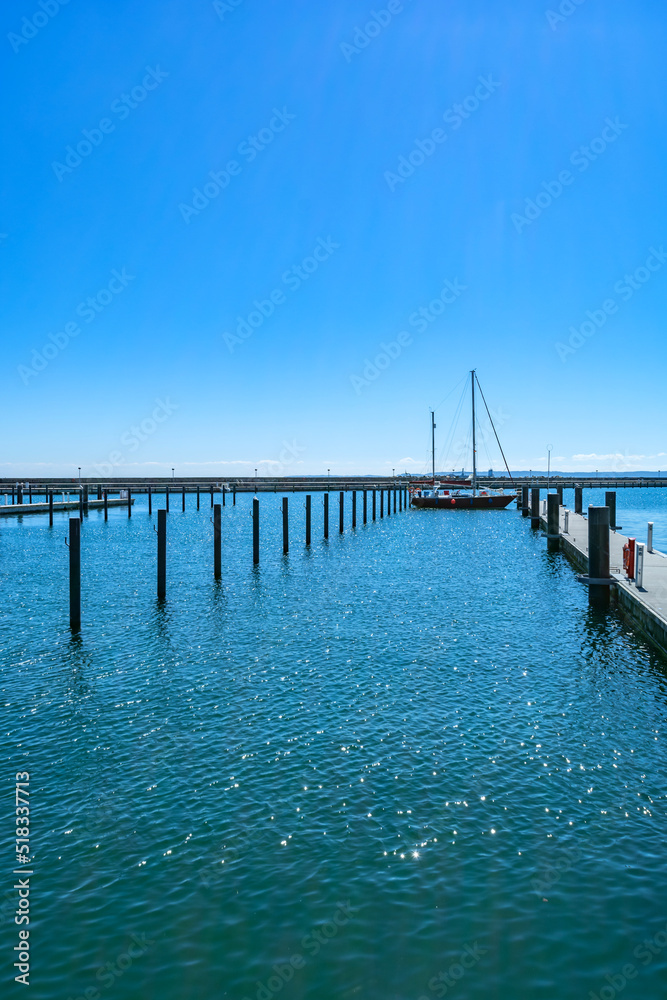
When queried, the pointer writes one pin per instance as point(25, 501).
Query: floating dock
point(58, 505)
point(646, 605)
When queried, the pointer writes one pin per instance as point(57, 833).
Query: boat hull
point(464, 503)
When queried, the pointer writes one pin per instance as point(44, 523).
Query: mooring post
point(388, 503)
point(341, 512)
point(224, 495)
point(598, 554)
point(374, 492)
point(106, 505)
point(610, 501)
point(400, 501)
point(308, 522)
point(166, 497)
point(19, 494)
point(639, 572)
point(51, 509)
point(535, 507)
point(578, 499)
point(150, 501)
point(75, 573)
point(354, 508)
point(161, 554)
point(285, 527)
point(255, 531)
point(183, 503)
point(394, 501)
point(553, 522)
point(129, 502)
point(81, 504)
point(381, 504)
point(13, 496)
point(525, 501)
point(234, 498)
point(29, 492)
point(198, 498)
point(217, 541)
point(649, 537)
point(326, 515)
point(211, 494)
point(365, 506)
point(559, 491)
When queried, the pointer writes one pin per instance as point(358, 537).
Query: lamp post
point(549, 450)
point(79, 468)
point(172, 473)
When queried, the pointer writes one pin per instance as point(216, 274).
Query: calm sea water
point(408, 763)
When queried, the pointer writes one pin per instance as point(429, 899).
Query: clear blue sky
point(341, 212)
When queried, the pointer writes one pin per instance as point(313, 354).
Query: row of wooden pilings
point(399, 498)
point(600, 521)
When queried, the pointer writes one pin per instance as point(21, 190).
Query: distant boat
point(441, 495)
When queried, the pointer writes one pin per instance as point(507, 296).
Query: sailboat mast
point(474, 451)
point(433, 444)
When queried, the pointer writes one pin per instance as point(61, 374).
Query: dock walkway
point(58, 505)
point(646, 605)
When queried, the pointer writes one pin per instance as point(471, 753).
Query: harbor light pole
point(549, 450)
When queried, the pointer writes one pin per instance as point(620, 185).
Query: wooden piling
point(166, 497)
point(224, 495)
point(525, 501)
point(394, 492)
point(285, 527)
point(610, 501)
point(326, 515)
point(150, 501)
point(553, 522)
point(81, 504)
point(197, 498)
point(535, 507)
point(211, 494)
point(598, 554)
point(354, 508)
point(578, 499)
point(341, 512)
point(217, 541)
point(129, 502)
point(234, 498)
point(308, 518)
point(183, 504)
point(19, 494)
point(50, 508)
point(365, 506)
point(559, 491)
point(106, 505)
point(75, 573)
point(373, 504)
point(381, 504)
point(255, 531)
point(161, 554)
point(30, 493)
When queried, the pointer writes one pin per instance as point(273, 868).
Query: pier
point(641, 596)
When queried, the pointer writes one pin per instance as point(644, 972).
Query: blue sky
point(218, 217)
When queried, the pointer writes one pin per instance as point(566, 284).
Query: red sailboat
point(449, 495)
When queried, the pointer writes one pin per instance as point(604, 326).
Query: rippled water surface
point(411, 760)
